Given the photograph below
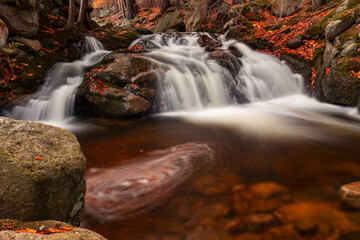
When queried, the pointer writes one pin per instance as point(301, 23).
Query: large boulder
point(172, 20)
point(4, 32)
point(46, 230)
point(286, 8)
point(29, 45)
point(193, 18)
point(23, 22)
point(334, 28)
point(340, 88)
point(350, 194)
point(123, 87)
point(42, 173)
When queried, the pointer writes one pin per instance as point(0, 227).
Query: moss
point(20, 3)
point(353, 3)
point(350, 34)
point(318, 29)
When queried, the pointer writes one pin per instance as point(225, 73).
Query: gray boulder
point(172, 20)
point(286, 8)
point(42, 173)
point(295, 43)
point(23, 22)
point(4, 32)
point(71, 234)
point(193, 18)
point(350, 49)
point(329, 54)
point(127, 23)
point(336, 27)
point(339, 88)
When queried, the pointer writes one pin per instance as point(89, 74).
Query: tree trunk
point(83, 7)
point(71, 16)
point(130, 13)
point(165, 4)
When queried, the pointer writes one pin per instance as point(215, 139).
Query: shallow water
point(283, 164)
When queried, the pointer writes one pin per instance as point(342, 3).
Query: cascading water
point(194, 80)
point(55, 101)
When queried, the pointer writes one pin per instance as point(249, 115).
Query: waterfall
point(194, 80)
point(55, 100)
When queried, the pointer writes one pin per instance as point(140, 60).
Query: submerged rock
point(350, 194)
point(42, 173)
point(23, 22)
point(123, 191)
point(71, 234)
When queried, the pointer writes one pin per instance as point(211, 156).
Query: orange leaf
point(31, 74)
point(38, 158)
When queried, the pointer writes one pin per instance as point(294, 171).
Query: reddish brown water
point(251, 188)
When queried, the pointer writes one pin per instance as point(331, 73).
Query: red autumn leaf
point(38, 158)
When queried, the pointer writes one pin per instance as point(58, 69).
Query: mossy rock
point(172, 20)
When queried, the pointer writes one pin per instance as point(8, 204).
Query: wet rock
point(4, 32)
point(118, 192)
point(268, 189)
point(295, 43)
point(42, 173)
point(260, 222)
point(336, 27)
point(350, 49)
point(215, 210)
point(305, 226)
point(284, 8)
point(330, 54)
point(209, 185)
point(208, 233)
point(171, 21)
point(29, 44)
point(74, 233)
point(226, 60)
point(210, 44)
point(124, 87)
point(350, 194)
point(23, 22)
point(144, 45)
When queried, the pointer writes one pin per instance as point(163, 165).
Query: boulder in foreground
point(42, 173)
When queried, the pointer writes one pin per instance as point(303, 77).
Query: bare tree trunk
point(83, 6)
point(71, 16)
point(130, 13)
point(165, 4)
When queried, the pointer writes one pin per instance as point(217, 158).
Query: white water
point(202, 92)
point(55, 101)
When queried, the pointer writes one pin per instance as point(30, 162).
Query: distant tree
point(71, 17)
point(83, 6)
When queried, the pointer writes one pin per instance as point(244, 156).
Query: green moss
point(353, 3)
point(350, 34)
point(317, 30)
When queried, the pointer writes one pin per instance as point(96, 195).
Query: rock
point(4, 32)
point(350, 194)
point(305, 226)
point(209, 185)
point(350, 49)
point(236, 32)
point(42, 173)
point(284, 8)
point(127, 23)
point(260, 222)
point(125, 87)
point(193, 19)
point(334, 28)
point(74, 233)
point(229, 23)
point(268, 189)
point(338, 87)
point(29, 44)
point(172, 20)
point(119, 192)
point(208, 233)
point(295, 43)
point(330, 54)
point(343, 6)
point(347, 43)
point(210, 44)
point(350, 236)
point(226, 60)
point(23, 22)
